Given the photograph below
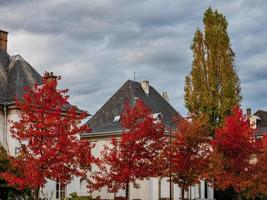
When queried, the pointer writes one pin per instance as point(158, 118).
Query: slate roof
point(102, 123)
point(263, 118)
point(15, 74)
point(262, 123)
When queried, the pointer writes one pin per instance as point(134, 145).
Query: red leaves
point(29, 169)
point(258, 178)
point(190, 149)
point(49, 128)
point(133, 156)
point(233, 147)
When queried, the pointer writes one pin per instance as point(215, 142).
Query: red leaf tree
point(258, 177)
point(189, 153)
point(133, 156)
point(48, 132)
point(233, 147)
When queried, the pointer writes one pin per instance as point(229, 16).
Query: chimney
point(165, 95)
point(248, 113)
point(49, 76)
point(3, 40)
point(145, 86)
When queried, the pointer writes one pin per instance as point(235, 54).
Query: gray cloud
point(96, 45)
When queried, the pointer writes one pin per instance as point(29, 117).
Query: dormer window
point(254, 120)
point(116, 119)
point(157, 116)
point(135, 99)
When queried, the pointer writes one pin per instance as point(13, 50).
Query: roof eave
point(101, 134)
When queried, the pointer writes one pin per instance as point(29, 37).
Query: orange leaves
point(190, 150)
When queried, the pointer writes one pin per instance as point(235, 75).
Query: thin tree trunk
point(182, 193)
point(36, 193)
point(127, 191)
point(239, 196)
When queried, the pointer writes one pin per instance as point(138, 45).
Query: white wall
point(12, 115)
point(2, 129)
point(49, 191)
point(148, 188)
point(10, 144)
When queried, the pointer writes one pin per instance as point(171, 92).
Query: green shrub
point(74, 196)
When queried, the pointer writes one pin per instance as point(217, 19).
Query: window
point(17, 149)
point(157, 116)
point(116, 119)
point(60, 191)
point(206, 189)
point(135, 99)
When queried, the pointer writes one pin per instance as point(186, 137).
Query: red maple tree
point(258, 183)
point(233, 148)
point(133, 156)
point(48, 132)
point(189, 153)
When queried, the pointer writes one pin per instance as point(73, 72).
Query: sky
point(97, 45)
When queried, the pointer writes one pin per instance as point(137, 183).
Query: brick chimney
point(50, 76)
point(3, 40)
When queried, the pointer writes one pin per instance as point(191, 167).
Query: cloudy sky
point(96, 45)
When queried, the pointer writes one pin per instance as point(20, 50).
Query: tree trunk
point(239, 196)
point(182, 193)
point(36, 193)
point(127, 191)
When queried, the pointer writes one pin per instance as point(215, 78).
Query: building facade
point(105, 125)
point(258, 122)
point(15, 75)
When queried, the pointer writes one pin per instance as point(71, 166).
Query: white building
point(105, 125)
point(258, 121)
point(16, 73)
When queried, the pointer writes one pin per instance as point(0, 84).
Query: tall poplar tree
point(213, 86)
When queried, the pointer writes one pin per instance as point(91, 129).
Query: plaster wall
point(13, 144)
point(149, 189)
point(2, 128)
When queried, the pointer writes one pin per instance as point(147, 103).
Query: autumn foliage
point(50, 148)
point(189, 153)
point(258, 183)
point(48, 133)
point(213, 86)
point(234, 146)
point(133, 156)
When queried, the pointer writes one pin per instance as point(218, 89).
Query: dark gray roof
point(102, 120)
point(261, 131)
point(15, 74)
point(262, 123)
point(263, 118)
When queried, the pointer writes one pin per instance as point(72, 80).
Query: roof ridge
point(260, 111)
point(17, 57)
point(103, 119)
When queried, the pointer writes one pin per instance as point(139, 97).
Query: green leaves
point(213, 86)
